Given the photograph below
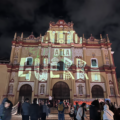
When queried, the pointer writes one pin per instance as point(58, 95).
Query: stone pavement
point(50, 117)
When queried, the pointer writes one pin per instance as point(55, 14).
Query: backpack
point(60, 107)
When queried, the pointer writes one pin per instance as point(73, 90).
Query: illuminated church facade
point(59, 64)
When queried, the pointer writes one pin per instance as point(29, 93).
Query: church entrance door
point(97, 92)
point(61, 91)
point(25, 92)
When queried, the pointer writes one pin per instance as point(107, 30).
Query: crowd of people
point(97, 111)
point(34, 111)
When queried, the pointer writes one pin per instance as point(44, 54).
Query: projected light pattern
point(59, 58)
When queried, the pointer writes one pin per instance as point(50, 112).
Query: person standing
point(94, 110)
point(81, 112)
point(45, 111)
point(2, 106)
point(34, 110)
point(26, 109)
point(40, 110)
point(7, 110)
point(108, 114)
point(61, 110)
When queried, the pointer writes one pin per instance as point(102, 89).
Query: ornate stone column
point(87, 86)
point(12, 54)
point(107, 86)
point(72, 50)
point(49, 54)
point(103, 55)
point(84, 54)
point(115, 83)
point(110, 56)
point(7, 83)
point(48, 83)
point(19, 54)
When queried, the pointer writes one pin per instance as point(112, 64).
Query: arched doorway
point(60, 66)
point(61, 90)
point(97, 92)
point(25, 92)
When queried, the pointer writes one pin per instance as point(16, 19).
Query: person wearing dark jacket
point(94, 110)
point(25, 109)
point(44, 111)
point(40, 111)
point(2, 106)
point(34, 110)
point(7, 110)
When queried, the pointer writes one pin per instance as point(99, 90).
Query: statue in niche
point(42, 89)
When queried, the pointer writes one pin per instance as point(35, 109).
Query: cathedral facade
point(59, 64)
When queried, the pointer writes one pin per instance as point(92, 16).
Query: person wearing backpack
point(61, 110)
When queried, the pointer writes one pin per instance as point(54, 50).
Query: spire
point(107, 38)
point(31, 33)
point(22, 36)
point(83, 35)
point(100, 36)
point(15, 36)
point(40, 37)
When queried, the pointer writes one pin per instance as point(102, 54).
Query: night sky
point(89, 17)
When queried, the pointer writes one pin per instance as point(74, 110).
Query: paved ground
point(51, 117)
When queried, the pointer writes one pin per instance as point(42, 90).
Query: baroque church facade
point(59, 64)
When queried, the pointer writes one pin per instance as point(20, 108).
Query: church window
point(29, 61)
point(27, 76)
point(80, 89)
point(94, 63)
point(11, 89)
point(42, 89)
point(111, 90)
point(96, 78)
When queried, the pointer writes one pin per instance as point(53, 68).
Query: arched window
point(112, 90)
point(80, 89)
point(94, 62)
point(42, 89)
point(29, 61)
point(10, 89)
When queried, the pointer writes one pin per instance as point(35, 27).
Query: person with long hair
point(81, 112)
point(71, 111)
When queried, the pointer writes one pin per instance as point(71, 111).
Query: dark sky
point(89, 16)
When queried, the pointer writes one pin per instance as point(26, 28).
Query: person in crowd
point(95, 110)
point(112, 108)
point(44, 111)
point(61, 108)
point(76, 109)
point(25, 109)
point(117, 114)
point(40, 110)
point(108, 114)
point(7, 111)
point(19, 108)
point(34, 110)
point(81, 112)
point(102, 109)
point(2, 106)
point(71, 111)
point(108, 103)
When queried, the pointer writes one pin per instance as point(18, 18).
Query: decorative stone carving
point(78, 52)
point(16, 52)
point(109, 77)
point(90, 52)
point(45, 51)
point(84, 88)
point(100, 84)
point(23, 83)
point(40, 88)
